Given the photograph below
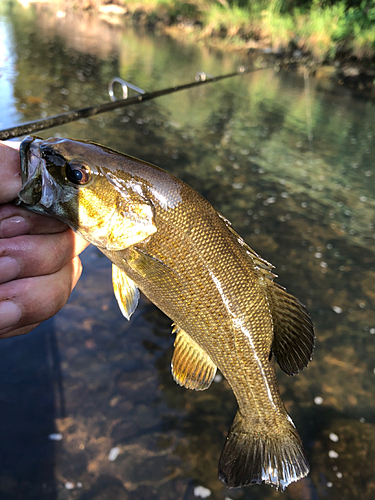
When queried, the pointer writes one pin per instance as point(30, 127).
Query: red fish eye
point(77, 173)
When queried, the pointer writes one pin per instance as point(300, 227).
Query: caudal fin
point(254, 453)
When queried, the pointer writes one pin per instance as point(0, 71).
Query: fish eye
point(77, 173)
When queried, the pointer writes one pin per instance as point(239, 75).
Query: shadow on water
point(31, 399)
point(105, 383)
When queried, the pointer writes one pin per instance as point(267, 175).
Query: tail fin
point(255, 454)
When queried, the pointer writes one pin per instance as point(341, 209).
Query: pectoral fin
point(154, 270)
point(191, 366)
point(126, 292)
point(293, 342)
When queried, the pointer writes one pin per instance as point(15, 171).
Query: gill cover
point(129, 223)
point(131, 219)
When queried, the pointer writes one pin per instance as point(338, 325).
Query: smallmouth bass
point(166, 240)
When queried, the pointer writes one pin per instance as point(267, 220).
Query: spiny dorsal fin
point(260, 264)
point(293, 341)
point(126, 292)
point(191, 366)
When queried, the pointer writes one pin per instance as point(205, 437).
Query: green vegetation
point(323, 28)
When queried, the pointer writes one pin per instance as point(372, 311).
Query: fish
point(167, 241)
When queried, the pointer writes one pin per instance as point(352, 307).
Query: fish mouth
point(31, 168)
point(39, 189)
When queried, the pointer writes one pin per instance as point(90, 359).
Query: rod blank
point(71, 116)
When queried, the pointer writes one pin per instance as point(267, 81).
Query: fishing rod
point(53, 121)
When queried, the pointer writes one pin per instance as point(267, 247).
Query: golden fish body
point(168, 241)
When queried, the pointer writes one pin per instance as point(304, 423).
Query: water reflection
point(306, 207)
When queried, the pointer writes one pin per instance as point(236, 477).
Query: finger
point(38, 255)
point(19, 331)
point(10, 172)
point(29, 301)
point(15, 221)
point(11, 144)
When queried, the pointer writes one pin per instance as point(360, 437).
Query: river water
point(290, 161)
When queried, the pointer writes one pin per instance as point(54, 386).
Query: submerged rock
point(343, 462)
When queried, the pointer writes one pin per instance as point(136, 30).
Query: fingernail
point(13, 226)
point(10, 314)
point(9, 269)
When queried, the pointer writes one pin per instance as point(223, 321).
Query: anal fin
point(191, 366)
point(126, 292)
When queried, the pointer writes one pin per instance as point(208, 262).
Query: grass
point(322, 28)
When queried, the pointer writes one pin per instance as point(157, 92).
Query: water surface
point(290, 162)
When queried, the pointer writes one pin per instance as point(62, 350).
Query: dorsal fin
point(191, 366)
point(293, 341)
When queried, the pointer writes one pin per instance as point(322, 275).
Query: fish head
point(83, 184)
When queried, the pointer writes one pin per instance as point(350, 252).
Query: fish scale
point(217, 252)
point(166, 240)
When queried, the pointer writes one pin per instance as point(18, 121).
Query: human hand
point(39, 263)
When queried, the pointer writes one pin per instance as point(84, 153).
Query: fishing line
point(71, 116)
point(310, 136)
point(309, 122)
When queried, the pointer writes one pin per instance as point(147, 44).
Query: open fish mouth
point(39, 188)
point(31, 166)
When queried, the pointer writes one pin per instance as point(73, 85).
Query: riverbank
point(334, 42)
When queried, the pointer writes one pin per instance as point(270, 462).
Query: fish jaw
point(31, 167)
point(40, 191)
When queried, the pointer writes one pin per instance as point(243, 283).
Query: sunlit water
point(291, 164)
